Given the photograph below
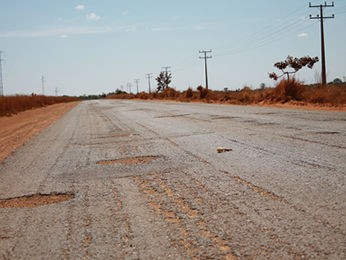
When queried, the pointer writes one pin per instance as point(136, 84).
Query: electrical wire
point(292, 23)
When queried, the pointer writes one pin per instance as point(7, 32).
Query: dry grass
point(291, 91)
point(331, 94)
point(14, 104)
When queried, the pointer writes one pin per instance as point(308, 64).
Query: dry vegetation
point(287, 91)
point(14, 104)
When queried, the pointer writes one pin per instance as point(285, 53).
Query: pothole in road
point(35, 200)
point(129, 160)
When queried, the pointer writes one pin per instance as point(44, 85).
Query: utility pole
point(1, 82)
point(129, 87)
point(166, 68)
point(205, 57)
point(56, 91)
point(42, 82)
point(321, 17)
point(137, 81)
point(148, 76)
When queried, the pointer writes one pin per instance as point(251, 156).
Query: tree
point(203, 92)
point(163, 80)
point(337, 81)
point(292, 65)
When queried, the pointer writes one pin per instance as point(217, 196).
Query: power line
point(264, 42)
point(293, 22)
point(205, 57)
point(265, 35)
point(1, 82)
point(148, 76)
point(269, 38)
point(321, 17)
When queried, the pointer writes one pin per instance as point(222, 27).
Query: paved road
point(144, 180)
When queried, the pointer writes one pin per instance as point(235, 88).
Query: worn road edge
point(18, 129)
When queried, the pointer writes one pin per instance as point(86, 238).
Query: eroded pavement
point(128, 180)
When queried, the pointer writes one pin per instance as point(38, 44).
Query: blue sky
point(90, 47)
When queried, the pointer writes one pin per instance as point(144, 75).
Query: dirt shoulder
point(16, 130)
point(306, 106)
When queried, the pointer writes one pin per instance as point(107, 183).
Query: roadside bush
point(143, 95)
point(14, 104)
point(188, 93)
point(332, 94)
point(288, 90)
point(203, 92)
point(169, 93)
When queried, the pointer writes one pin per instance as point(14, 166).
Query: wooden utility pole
point(321, 17)
point(42, 82)
point(205, 57)
point(149, 75)
point(137, 81)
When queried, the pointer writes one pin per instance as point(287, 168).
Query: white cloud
point(303, 35)
point(68, 31)
point(79, 7)
point(93, 17)
point(57, 32)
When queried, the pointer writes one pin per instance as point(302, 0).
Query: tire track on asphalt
point(273, 154)
point(148, 235)
point(27, 218)
point(66, 247)
point(313, 142)
point(122, 230)
point(87, 223)
point(256, 188)
point(188, 229)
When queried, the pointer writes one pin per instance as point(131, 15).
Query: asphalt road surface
point(128, 179)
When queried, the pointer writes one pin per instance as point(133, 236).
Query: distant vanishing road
point(142, 180)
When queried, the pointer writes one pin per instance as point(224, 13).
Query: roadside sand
point(306, 106)
point(16, 130)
